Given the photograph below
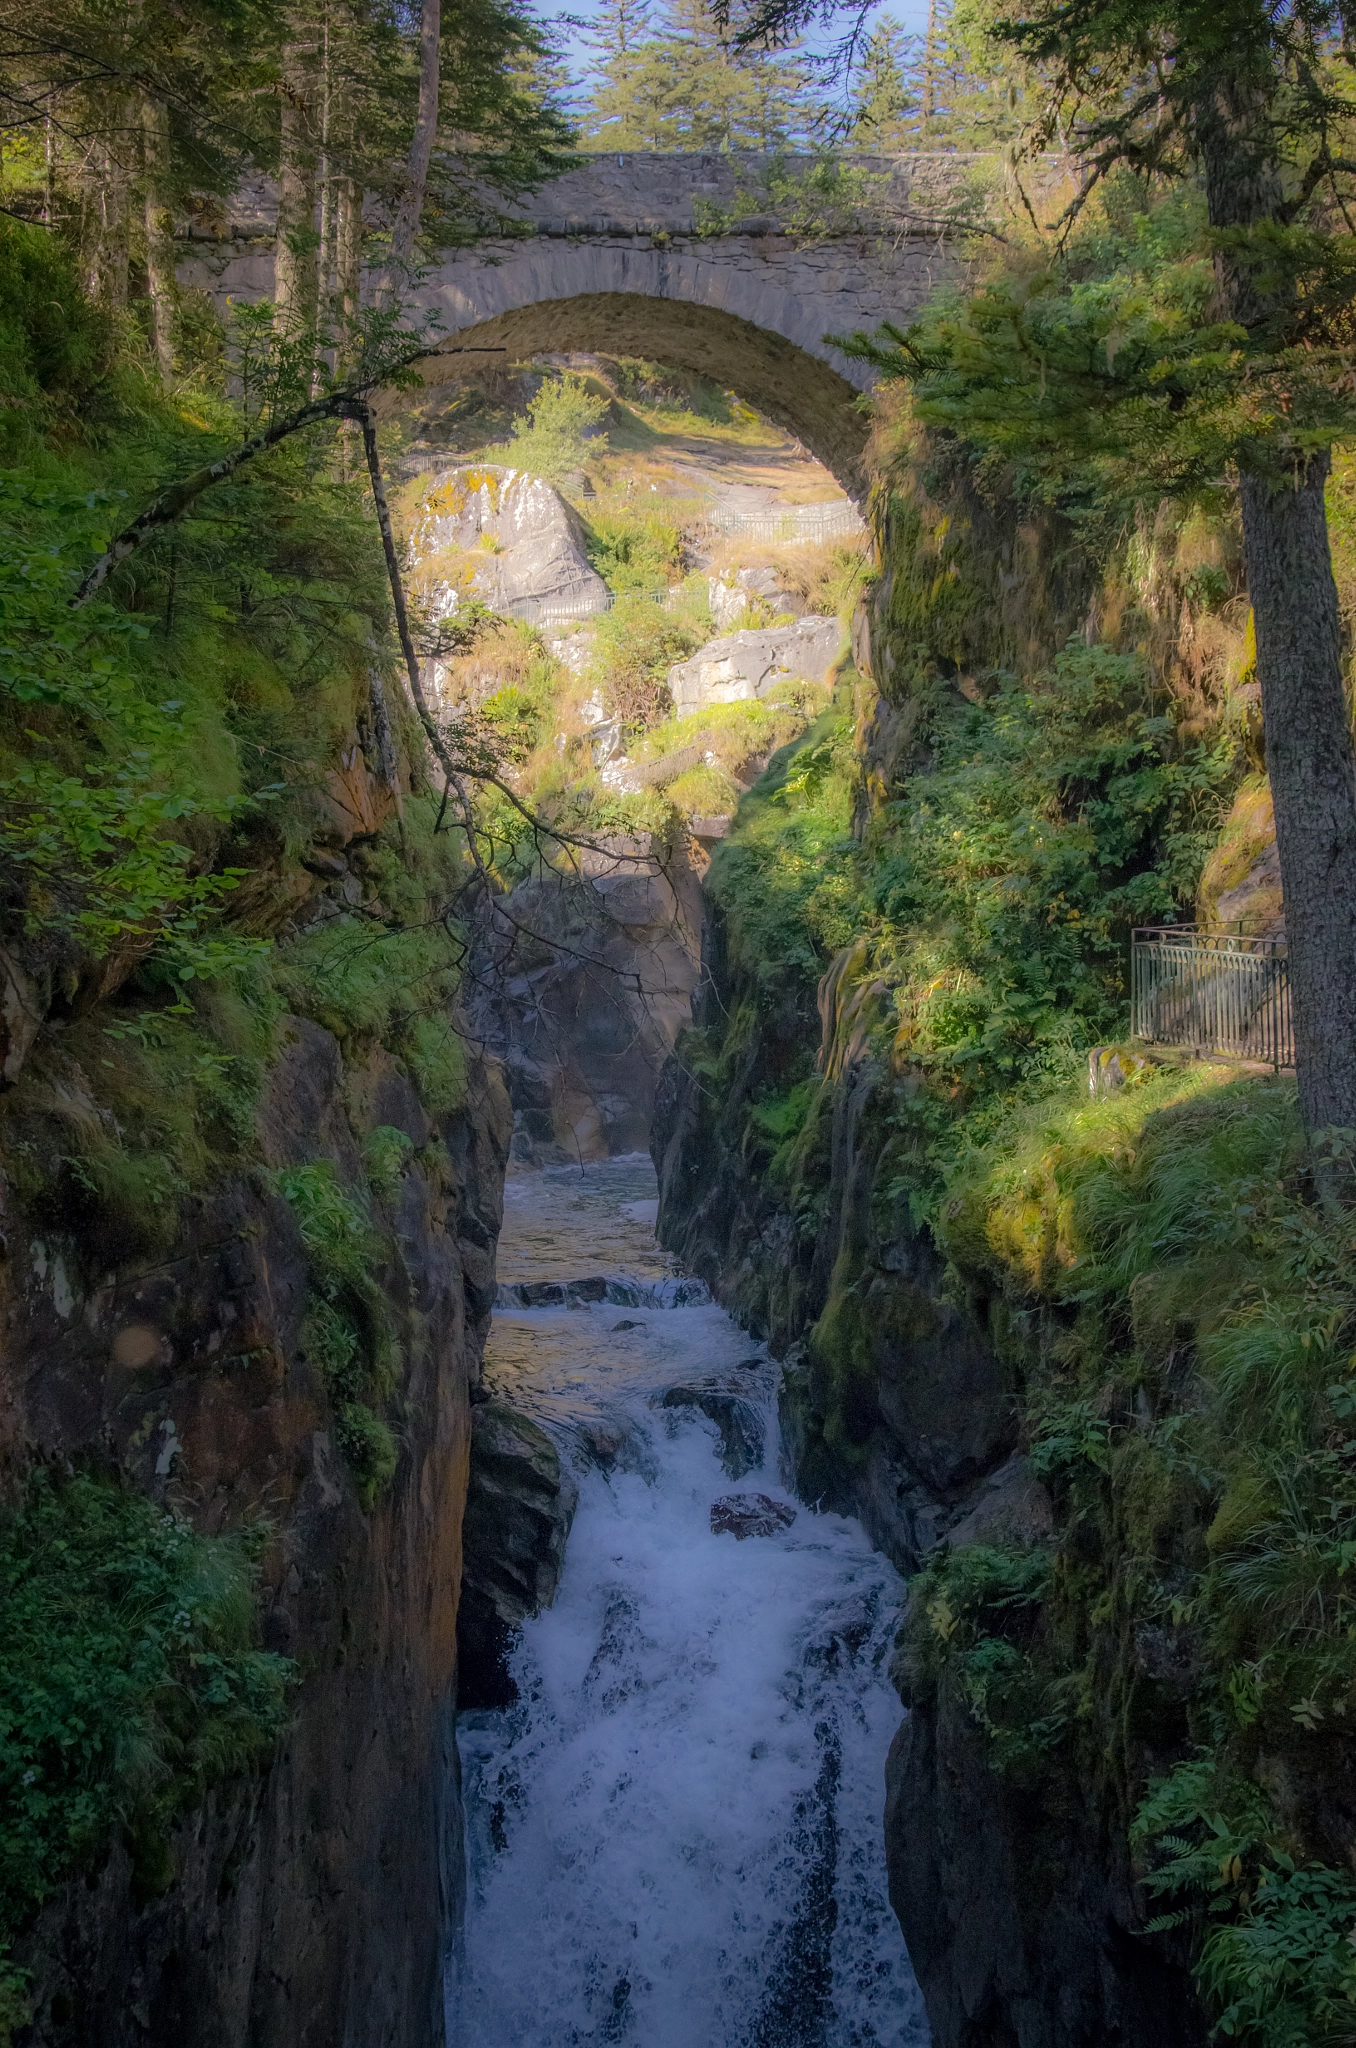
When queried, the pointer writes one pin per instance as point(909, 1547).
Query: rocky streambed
point(674, 1814)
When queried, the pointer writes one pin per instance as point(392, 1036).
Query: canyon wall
point(314, 1904)
point(1018, 1904)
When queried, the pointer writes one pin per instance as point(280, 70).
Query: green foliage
point(1058, 815)
point(561, 425)
point(952, 88)
point(130, 1680)
point(691, 86)
point(386, 1153)
point(786, 879)
point(388, 973)
point(635, 551)
point(636, 644)
point(1279, 1971)
point(1178, 1221)
point(53, 342)
point(974, 1615)
point(348, 1333)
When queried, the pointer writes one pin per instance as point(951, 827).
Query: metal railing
point(1214, 991)
point(798, 524)
point(558, 611)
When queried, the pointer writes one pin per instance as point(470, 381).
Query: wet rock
point(750, 1514)
point(613, 1443)
point(553, 1293)
point(756, 664)
point(626, 1324)
point(520, 1502)
point(1012, 1507)
point(740, 1425)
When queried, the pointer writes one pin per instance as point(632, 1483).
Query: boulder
point(739, 1423)
point(507, 538)
point(755, 664)
point(730, 601)
point(520, 1502)
point(750, 1514)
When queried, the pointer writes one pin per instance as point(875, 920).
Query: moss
point(348, 1334)
point(1247, 835)
point(842, 1374)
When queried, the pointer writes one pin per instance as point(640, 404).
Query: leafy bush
point(787, 877)
point(554, 437)
point(53, 342)
point(634, 551)
point(129, 1681)
point(1057, 815)
point(348, 1333)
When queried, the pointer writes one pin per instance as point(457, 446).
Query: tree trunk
point(296, 271)
point(107, 214)
point(348, 259)
point(1312, 766)
point(160, 279)
point(411, 208)
point(1311, 760)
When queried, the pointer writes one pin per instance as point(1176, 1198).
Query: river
point(674, 1834)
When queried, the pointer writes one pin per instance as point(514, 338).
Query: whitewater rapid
point(674, 1836)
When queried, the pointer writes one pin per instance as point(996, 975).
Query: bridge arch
point(662, 256)
point(800, 391)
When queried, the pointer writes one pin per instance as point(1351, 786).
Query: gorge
point(630, 1413)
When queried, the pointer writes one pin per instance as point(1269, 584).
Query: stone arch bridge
point(668, 257)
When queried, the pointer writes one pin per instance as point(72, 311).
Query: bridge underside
point(797, 390)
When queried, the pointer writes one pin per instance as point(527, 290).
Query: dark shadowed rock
point(520, 1502)
point(739, 1423)
point(750, 1514)
point(312, 1903)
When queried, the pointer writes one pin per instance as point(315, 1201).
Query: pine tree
point(885, 90)
point(686, 86)
point(623, 110)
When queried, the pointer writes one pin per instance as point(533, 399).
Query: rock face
point(1018, 1911)
point(730, 601)
point(507, 538)
point(749, 1514)
point(739, 1423)
point(314, 1905)
point(755, 664)
point(1017, 1905)
point(584, 984)
point(520, 1503)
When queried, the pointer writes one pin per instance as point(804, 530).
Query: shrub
point(347, 1334)
point(561, 419)
point(130, 1680)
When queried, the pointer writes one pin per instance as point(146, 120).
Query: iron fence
point(1215, 991)
point(558, 611)
point(800, 523)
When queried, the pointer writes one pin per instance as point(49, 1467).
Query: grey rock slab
point(535, 550)
point(742, 666)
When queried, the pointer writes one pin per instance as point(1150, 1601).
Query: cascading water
point(675, 1833)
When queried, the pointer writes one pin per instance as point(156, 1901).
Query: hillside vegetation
point(1064, 743)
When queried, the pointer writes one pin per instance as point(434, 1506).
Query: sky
point(913, 14)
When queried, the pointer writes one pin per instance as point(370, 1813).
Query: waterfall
point(674, 1833)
